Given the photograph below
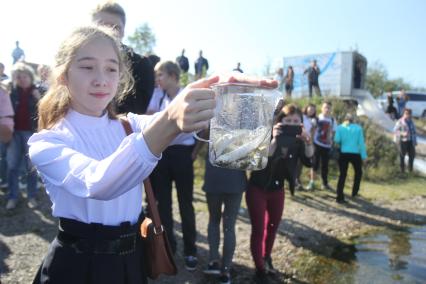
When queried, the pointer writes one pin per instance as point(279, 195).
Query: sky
point(253, 32)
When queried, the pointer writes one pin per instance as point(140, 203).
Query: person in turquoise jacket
point(349, 136)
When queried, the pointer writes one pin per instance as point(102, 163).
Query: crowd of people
point(67, 132)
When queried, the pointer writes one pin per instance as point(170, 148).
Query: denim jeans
point(3, 162)
point(17, 153)
point(231, 203)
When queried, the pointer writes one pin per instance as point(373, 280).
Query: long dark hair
point(305, 110)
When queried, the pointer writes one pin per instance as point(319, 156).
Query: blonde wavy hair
point(56, 103)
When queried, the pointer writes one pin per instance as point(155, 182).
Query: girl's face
point(23, 80)
point(292, 119)
point(310, 111)
point(93, 77)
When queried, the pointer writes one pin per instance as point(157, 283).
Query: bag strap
point(152, 203)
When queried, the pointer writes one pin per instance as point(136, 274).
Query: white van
point(416, 102)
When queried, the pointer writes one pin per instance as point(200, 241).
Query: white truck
point(341, 72)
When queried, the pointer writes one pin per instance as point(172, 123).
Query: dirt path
point(312, 222)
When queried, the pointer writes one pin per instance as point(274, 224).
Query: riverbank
point(313, 227)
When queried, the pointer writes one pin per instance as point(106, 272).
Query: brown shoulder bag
point(157, 254)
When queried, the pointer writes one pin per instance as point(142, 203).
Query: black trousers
point(321, 157)
point(69, 262)
point(344, 160)
point(407, 147)
point(312, 85)
point(176, 165)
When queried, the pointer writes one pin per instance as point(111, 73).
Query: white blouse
point(159, 101)
point(91, 170)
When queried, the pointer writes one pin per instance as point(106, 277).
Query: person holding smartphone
point(290, 142)
point(265, 195)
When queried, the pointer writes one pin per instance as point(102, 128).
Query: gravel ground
point(312, 222)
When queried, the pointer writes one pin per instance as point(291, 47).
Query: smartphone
point(291, 130)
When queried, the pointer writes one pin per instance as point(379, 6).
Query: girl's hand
point(192, 109)
point(277, 130)
point(304, 136)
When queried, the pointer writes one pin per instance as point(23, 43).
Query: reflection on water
point(388, 257)
point(392, 257)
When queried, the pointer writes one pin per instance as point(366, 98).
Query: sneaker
point(341, 201)
point(269, 268)
point(32, 203)
point(261, 277)
point(299, 187)
point(11, 204)
point(213, 268)
point(191, 262)
point(311, 185)
point(225, 278)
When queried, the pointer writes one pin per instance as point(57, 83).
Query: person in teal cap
point(350, 138)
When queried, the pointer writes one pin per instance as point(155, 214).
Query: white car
point(416, 102)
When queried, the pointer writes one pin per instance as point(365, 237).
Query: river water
point(387, 257)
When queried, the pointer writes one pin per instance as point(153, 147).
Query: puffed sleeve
point(52, 154)
point(140, 121)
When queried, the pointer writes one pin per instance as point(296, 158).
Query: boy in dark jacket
point(113, 15)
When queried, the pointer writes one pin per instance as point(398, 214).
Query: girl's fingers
point(201, 94)
point(204, 83)
point(237, 78)
point(200, 125)
point(203, 115)
point(203, 105)
point(199, 119)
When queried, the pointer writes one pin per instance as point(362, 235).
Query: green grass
point(396, 189)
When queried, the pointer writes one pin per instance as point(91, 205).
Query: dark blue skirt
point(93, 253)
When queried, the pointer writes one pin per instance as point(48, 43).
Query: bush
point(382, 161)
